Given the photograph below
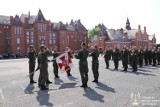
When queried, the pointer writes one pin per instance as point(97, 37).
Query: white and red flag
point(64, 61)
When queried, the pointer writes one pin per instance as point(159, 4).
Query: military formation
point(133, 56)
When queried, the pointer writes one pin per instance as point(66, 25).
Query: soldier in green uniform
point(116, 57)
point(95, 63)
point(55, 65)
point(140, 56)
point(125, 55)
point(32, 62)
point(154, 56)
point(146, 56)
point(107, 57)
point(83, 64)
point(43, 65)
point(158, 56)
point(134, 55)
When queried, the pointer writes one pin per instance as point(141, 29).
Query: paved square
point(115, 88)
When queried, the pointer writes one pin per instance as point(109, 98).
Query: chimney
point(139, 27)
point(11, 19)
point(71, 22)
point(144, 28)
point(29, 14)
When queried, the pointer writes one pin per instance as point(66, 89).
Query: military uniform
point(95, 64)
point(55, 65)
point(140, 57)
point(134, 55)
point(125, 55)
point(158, 57)
point(154, 57)
point(32, 62)
point(107, 57)
point(116, 58)
point(146, 55)
point(83, 65)
point(150, 57)
point(43, 65)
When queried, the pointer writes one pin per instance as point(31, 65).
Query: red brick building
point(120, 37)
point(17, 33)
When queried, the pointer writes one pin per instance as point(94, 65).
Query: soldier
point(125, 55)
point(70, 55)
point(150, 56)
point(140, 56)
point(116, 57)
point(154, 56)
point(134, 55)
point(32, 62)
point(107, 57)
point(158, 56)
point(43, 65)
point(83, 64)
point(146, 55)
point(55, 65)
point(95, 63)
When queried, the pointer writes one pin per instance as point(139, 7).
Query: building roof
point(117, 35)
point(4, 20)
point(16, 21)
point(31, 19)
point(59, 26)
point(79, 25)
point(40, 16)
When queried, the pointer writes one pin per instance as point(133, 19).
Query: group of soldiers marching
point(133, 56)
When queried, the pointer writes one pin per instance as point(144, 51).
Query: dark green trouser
point(83, 68)
point(31, 69)
point(125, 63)
point(55, 69)
point(95, 66)
point(116, 64)
point(43, 76)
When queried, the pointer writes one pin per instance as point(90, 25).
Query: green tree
point(93, 32)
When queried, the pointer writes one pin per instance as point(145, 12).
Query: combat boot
point(44, 88)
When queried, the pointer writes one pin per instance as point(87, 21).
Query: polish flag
point(64, 61)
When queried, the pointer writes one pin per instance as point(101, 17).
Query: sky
point(112, 13)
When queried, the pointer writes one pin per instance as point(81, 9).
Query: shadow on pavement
point(29, 89)
point(58, 81)
point(68, 85)
point(93, 95)
point(140, 73)
point(105, 87)
point(72, 78)
point(43, 99)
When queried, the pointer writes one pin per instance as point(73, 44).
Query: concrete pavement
point(115, 88)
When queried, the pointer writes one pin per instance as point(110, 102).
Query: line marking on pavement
point(1, 93)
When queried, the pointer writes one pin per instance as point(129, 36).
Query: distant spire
point(40, 17)
point(128, 27)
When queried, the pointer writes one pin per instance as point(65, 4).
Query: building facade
point(18, 33)
point(110, 38)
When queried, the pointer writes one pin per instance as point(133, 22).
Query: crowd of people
point(133, 56)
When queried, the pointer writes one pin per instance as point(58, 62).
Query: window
point(50, 35)
point(27, 40)
point(27, 33)
point(50, 41)
point(39, 37)
point(54, 41)
point(32, 34)
point(54, 34)
point(18, 40)
point(32, 40)
point(20, 31)
point(15, 31)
